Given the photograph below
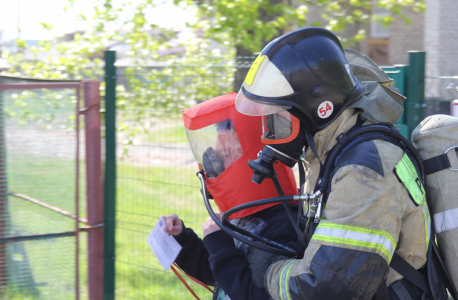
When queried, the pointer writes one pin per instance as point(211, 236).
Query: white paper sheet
point(164, 246)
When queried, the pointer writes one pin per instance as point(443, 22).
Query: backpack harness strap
point(436, 164)
point(400, 290)
point(401, 266)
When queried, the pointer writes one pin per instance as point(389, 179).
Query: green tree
point(164, 85)
point(249, 25)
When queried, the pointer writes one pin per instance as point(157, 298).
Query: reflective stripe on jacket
point(369, 215)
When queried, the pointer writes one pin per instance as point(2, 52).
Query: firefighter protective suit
point(369, 215)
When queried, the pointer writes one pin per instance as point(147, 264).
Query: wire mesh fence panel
point(41, 269)
point(39, 210)
point(156, 171)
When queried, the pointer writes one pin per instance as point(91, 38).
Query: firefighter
point(308, 92)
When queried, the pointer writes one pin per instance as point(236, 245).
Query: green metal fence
point(152, 172)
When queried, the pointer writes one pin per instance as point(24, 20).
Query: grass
point(44, 269)
point(174, 133)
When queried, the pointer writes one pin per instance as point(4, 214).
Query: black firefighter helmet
point(304, 72)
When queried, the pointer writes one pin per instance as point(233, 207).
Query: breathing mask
point(284, 136)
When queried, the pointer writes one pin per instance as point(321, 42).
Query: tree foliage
point(240, 22)
point(230, 22)
point(155, 85)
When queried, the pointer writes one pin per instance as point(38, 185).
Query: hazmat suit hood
point(378, 99)
point(222, 141)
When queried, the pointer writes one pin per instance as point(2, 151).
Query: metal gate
point(46, 204)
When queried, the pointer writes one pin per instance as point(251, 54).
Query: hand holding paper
point(173, 224)
point(164, 246)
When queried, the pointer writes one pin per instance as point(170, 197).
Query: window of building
point(378, 30)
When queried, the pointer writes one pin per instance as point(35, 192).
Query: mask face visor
point(253, 107)
point(279, 128)
point(215, 147)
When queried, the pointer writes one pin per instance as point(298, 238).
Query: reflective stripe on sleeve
point(372, 239)
point(446, 220)
point(283, 284)
point(427, 218)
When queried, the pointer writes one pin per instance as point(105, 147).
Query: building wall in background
point(405, 37)
point(441, 37)
point(434, 31)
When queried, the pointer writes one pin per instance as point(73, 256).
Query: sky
point(30, 13)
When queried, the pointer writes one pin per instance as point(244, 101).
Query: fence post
point(94, 188)
point(415, 92)
point(110, 174)
point(4, 215)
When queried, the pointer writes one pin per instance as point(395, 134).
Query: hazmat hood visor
point(215, 147)
point(253, 107)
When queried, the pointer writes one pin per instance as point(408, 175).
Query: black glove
point(260, 260)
